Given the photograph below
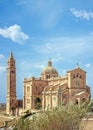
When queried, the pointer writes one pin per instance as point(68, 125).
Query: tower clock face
point(77, 83)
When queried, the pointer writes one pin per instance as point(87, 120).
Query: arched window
point(36, 88)
point(83, 100)
point(37, 103)
point(80, 76)
point(73, 76)
point(77, 75)
point(28, 89)
point(12, 100)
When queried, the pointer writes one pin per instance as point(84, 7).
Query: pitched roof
point(55, 87)
point(78, 68)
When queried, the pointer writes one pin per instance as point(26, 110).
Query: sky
point(36, 30)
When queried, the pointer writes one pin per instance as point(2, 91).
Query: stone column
point(57, 99)
point(23, 102)
point(43, 101)
point(51, 100)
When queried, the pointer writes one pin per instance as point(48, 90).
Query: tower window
point(80, 77)
point(12, 100)
point(77, 75)
point(12, 65)
point(73, 76)
point(12, 71)
point(36, 88)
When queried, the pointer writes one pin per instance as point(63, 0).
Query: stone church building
point(49, 90)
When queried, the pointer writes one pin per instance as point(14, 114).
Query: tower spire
point(11, 55)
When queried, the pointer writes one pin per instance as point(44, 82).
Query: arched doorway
point(38, 103)
point(76, 101)
point(13, 110)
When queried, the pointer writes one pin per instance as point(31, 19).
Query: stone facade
point(54, 90)
point(33, 91)
point(62, 90)
point(48, 91)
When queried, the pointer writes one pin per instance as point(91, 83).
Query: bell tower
point(11, 86)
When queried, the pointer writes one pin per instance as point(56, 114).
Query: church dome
point(49, 71)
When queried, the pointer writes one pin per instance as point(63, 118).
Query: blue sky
point(36, 30)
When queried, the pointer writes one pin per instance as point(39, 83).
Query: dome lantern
point(49, 71)
point(49, 63)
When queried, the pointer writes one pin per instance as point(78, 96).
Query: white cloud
point(2, 63)
point(14, 33)
point(2, 56)
point(82, 14)
point(87, 65)
point(48, 46)
point(2, 69)
point(48, 12)
point(39, 66)
point(66, 49)
point(58, 57)
point(63, 46)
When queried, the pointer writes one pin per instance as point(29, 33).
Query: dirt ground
point(3, 119)
point(87, 124)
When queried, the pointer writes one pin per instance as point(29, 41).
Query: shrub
point(62, 118)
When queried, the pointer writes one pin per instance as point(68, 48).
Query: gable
point(76, 70)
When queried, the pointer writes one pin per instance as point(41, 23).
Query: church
point(48, 91)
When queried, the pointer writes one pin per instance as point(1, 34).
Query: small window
point(77, 75)
point(28, 89)
point(12, 64)
point(12, 100)
point(47, 76)
point(36, 88)
point(54, 98)
point(73, 76)
point(83, 100)
point(28, 100)
point(80, 76)
point(76, 101)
